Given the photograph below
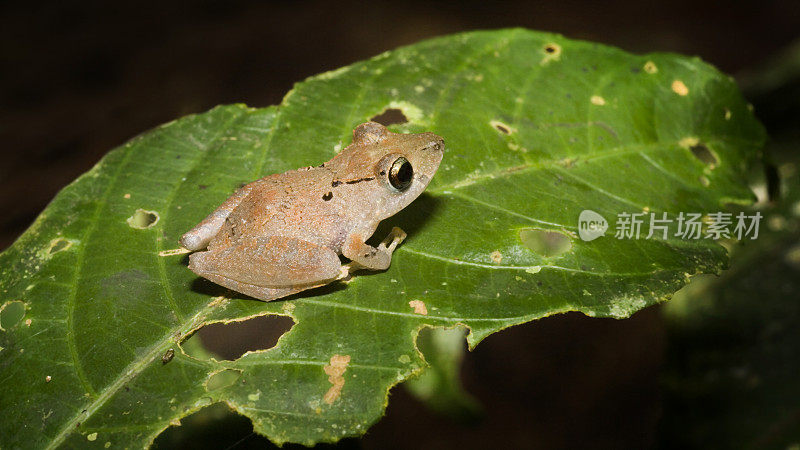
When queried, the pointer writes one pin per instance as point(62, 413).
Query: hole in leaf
point(214, 426)
point(11, 314)
point(58, 245)
point(501, 127)
point(552, 50)
point(143, 219)
point(391, 116)
point(701, 152)
point(222, 379)
point(230, 341)
point(545, 243)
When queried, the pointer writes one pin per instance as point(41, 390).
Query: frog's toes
point(395, 237)
point(399, 234)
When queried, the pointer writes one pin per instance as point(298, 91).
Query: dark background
point(80, 78)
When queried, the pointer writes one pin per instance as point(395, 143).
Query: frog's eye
point(400, 174)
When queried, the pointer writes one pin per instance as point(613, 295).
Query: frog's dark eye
point(400, 174)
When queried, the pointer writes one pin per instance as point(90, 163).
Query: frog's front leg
point(198, 237)
point(365, 256)
point(268, 267)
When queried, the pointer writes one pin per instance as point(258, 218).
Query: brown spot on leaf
point(496, 256)
point(680, 88)
point(419, 307)
point(552, 50)
point(501, 127)
point(335, 371)
point(597, 100)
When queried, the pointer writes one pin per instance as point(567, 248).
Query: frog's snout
point(436, 148)
point(436, 144)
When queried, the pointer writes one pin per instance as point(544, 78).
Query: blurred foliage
point(733, 374)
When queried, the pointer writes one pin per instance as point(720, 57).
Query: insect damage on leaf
point(11, 313)
point(143, 219)
point(56, 245)
point(552, 52)
point(419, 307)
point(173, 252)
point(501, 127)
point(597, 100)
point(680, 88)
point(335, 371)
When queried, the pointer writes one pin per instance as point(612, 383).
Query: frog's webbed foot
point(365, 256)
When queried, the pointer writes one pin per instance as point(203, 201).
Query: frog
point(285, 233)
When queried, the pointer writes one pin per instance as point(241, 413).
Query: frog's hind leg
point(268, 267)
point(198, 237)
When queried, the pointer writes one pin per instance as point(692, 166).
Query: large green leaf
point(538, 128)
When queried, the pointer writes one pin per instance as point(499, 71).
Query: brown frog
point(284, 233)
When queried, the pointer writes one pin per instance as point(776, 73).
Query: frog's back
point(288, 204)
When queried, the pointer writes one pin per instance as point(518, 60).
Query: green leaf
point(538, 128)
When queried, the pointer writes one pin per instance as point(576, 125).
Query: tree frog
point(284, 233)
